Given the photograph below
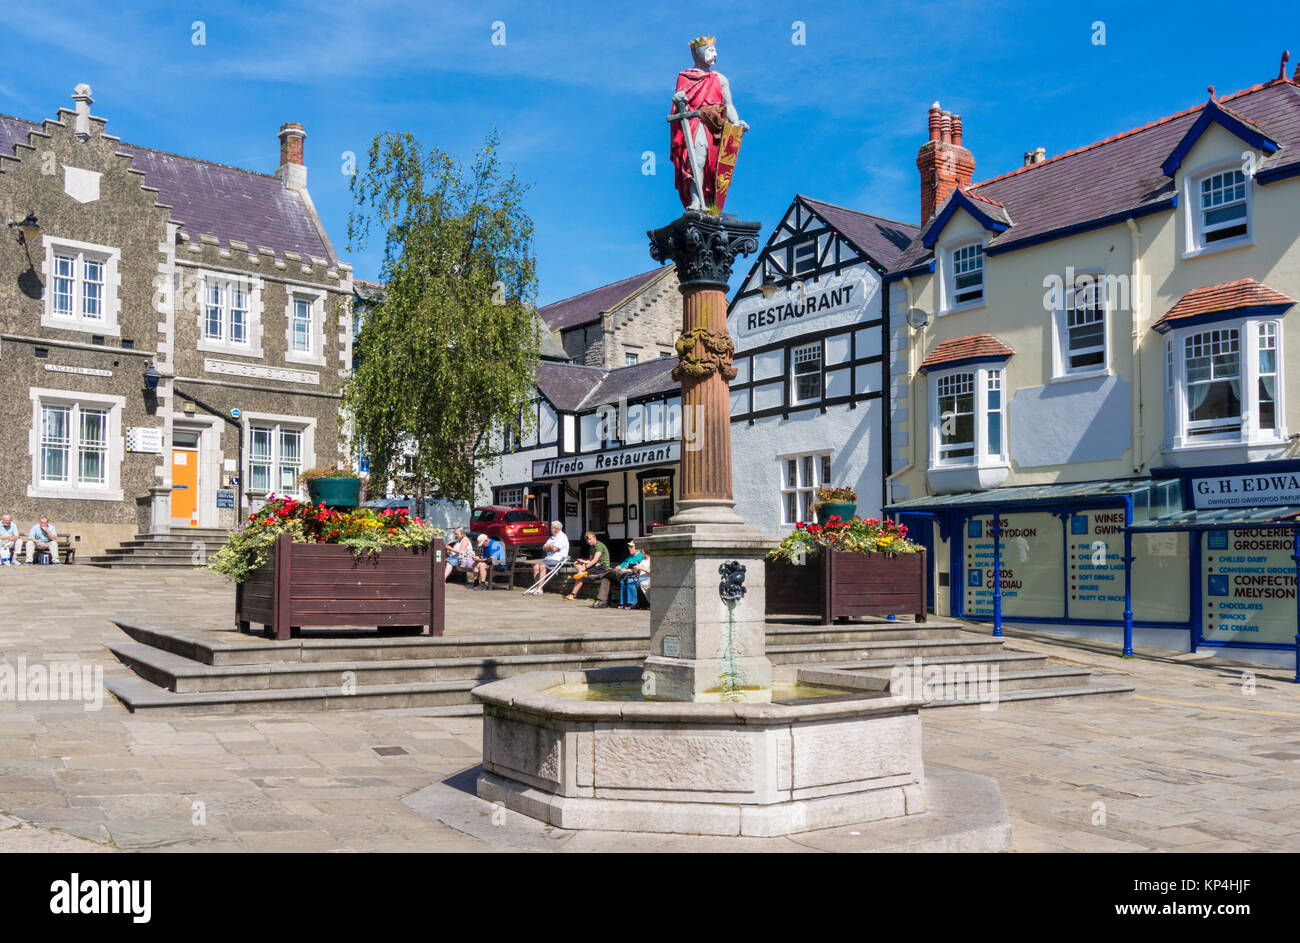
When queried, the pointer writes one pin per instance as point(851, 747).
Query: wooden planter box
point(836, 585)
point(325, 585)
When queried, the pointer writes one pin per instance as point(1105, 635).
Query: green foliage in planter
point(325, 471)
point(363, 531)
point(855, 536)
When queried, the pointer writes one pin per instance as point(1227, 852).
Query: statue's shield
point(728, 152)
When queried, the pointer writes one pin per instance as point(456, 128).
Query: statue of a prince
point(705, 128)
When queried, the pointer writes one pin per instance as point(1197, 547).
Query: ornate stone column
point(704, 248)
point(706, 645)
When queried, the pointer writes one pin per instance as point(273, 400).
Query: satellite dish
point(917, 319)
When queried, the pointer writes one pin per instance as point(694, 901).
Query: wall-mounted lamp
point(769, 286)
point(29, 230)
point(151, 377)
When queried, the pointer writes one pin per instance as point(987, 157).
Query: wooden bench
point(67, 552)
point(504, 575)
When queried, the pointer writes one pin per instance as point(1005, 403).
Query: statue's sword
point(681, 114)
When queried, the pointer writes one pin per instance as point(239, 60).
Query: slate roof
point(590, 305)
point(882, 240)
point(213, 199)
point(976, 346)
point(573, 388)
point(1122, 173)
point(1243, 293)
point(567, 385)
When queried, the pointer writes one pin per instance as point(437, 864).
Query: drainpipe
point(1137, 304)
point(911, 394)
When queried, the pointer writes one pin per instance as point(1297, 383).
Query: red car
point(514, 527)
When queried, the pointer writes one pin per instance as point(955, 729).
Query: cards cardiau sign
point(795, 307)
point(659, 453)
point(258, 372)
point(1236, 491)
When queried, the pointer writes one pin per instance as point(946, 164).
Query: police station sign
point(1236, 491)
point(659, 453)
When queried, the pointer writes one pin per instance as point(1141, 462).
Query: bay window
point(1223, 383)
point(968, 427)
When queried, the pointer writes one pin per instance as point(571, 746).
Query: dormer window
point(963, 276)
point(1219, 211)
point(1223, 207)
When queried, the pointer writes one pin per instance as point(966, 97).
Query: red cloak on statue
point(703, 93)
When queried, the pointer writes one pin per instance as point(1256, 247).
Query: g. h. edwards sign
point(659, 453)
point(1237, 491)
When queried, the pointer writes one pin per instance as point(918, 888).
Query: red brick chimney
point(292, 172)
point(943, 161)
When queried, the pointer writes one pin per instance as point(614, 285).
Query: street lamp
point(151, 377)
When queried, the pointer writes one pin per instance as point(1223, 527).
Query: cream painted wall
point(1015, 314)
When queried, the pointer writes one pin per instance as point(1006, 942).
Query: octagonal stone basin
point(755, 769)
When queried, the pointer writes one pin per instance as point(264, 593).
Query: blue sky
point(579, 92)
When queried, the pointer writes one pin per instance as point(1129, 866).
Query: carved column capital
point(704, 247)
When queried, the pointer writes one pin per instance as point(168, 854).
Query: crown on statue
point(699, 41)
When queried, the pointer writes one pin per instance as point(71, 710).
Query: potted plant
point(332, 487)
point(836, 502)
point(296, 563)
point(843, 569)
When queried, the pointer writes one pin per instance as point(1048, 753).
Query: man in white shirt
point(557, 552)
point(43, 539)
point(9, 540)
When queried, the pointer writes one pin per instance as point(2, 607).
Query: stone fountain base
point(700, 768)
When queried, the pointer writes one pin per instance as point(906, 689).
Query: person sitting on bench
point(557, 552)
point(614, 576)
point(594, 564)
point(638, 576)
point(490, 552)
point(43, 539)
point(459, 554)
point(10, 541)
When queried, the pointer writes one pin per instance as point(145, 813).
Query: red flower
point(798, 525)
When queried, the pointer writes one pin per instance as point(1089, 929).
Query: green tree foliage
point(446, 358)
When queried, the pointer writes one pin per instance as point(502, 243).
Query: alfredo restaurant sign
point(658, 453)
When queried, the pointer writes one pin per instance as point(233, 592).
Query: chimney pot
point(1029, 158)
point(934, 122)
point(944, 163)
point(1040, 155)
point(956, 130)
point(81, 95)
point(945, 127)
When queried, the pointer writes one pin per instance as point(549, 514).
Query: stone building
point(620, 324)
point(162, 318)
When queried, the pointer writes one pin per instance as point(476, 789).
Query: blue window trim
point(1212, 113)
point(960, 199)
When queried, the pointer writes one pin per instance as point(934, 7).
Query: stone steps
point(187, 672)
point(173, 549)
point(184, 676)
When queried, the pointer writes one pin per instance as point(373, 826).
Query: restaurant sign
point(635, 456)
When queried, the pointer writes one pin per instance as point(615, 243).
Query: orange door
point(185, 484)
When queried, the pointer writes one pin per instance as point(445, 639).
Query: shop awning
point(1023, 496)
point(1224, 519)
